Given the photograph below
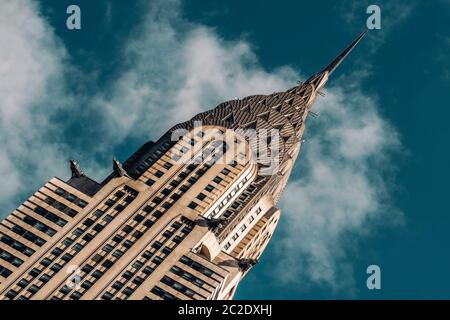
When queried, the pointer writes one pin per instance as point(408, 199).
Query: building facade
point(185, 217)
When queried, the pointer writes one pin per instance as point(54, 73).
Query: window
point(97, 274)
point(192, 205)
point(158, 173)
point(148, 223)
point(87, 268)
point(59, 191)
point(117, 285)
point(167, 165)
point(201, 196)
point(78, 232)
point(147, 270)
point(23, 283)
point(147, 255)
point(217, 179)
point(45, 278)
point(209, 188)
point(46, 262)
point(118, 254)
point(108, 218)
point(227, 245)
point(107, 296)
point(77, 247)
point(225, 171)
point(120, 208)
point(137, 264)
point(150, 182)
point(107, 248)
point(88, 222)
point(56, 267)
point(82, 204)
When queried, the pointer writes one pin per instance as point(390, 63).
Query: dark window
point(34, 272)
point(147, 255)
point(118, 254)
point(108, 218)
point(87, 268)
point(56, 267)
point(107, 296)
point(148, 223)
point(88, 222)
point(147, 270)
point(167, 165)
point(128, 291)
point(78, 232)
point(107, 264)
point(107, 248)
point(127, 244)
point(192, 205)
point(201, 196)
point(46, 262)
point(110, 202)
point(117, 285)
point(88, 237)
point(158, 214)
point(97, 274)
point(23, 283)
point(77, 247)
point(120, 208)
point(98, 227)
point(67, 257)
point(137, 264)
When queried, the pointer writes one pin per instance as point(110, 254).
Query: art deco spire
point(336, 62)
point(319, 79)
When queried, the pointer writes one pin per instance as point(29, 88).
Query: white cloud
point(30, 74)
point(177, 69)
point(340, 192)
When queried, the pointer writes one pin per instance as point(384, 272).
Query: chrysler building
point(185, 217)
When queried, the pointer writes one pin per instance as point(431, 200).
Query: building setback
point(185, 217)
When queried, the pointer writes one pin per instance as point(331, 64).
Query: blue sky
point(371, 182)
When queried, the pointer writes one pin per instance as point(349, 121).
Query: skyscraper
point(185, 217)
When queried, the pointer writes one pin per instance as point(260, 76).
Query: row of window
point(187, 276)
point(50, 216)
point(38, 225)
point(80, 236)
point(242, 229)
point(10, 258)
point(179, 287)
point(149, 260)
point(70, 197)
point(123, 241)
point(16, 245)
point(61, 207)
